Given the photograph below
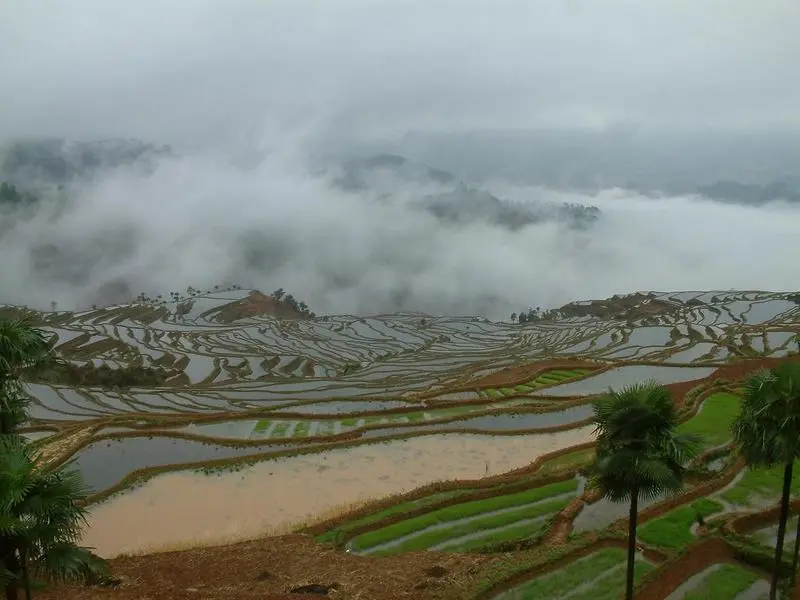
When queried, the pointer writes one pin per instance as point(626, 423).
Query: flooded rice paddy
point(622, 376)
point(276, 494)
point(260, 385)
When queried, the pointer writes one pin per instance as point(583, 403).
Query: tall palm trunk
point(632, 516)
point(26, 580)
point(8, 559)
point(796, 552)
point(787, 490)
point(12, 591)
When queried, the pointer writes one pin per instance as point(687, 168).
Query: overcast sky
point(285, 75)
point(232, 70)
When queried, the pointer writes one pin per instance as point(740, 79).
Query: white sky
point(205, 69)
point(275, 74)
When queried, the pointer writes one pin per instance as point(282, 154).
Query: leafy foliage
point(640, 453)
point(22, 347)
point(11, 196)
point(767, 431)
point(638, 446)
point(40, 518)
point(66, 373)
point(288, 300)
point(279, 295)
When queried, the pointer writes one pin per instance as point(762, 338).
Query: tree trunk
point(632, 516)
point(11, 563)
point(785, 498)
point(26, 580)
point(796, 552)
point(12, 591)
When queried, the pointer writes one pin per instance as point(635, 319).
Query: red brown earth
point(269, 568)
point(631, 306)
point(258, 303)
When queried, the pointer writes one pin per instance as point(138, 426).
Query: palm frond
point(767, 430)
point(683, 446)
point(21, 346)
point(6, 577)
point(16, 472)
point(637, 443)
point(39, 514)
point(68, 562)
point(9, 525)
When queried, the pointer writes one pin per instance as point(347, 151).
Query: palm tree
point(41, 522)
point(39, 518)
point(767, 433)
point(22, 347)
point(639, 452)
point(796, 553)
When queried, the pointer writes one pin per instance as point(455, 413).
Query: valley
point(380, 438)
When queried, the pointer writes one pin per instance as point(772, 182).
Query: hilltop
point(32, 169)
point(451, 200)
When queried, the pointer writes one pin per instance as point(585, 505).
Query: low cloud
point(252, 95)
point(198, 221)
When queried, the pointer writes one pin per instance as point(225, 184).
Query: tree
point(796, 553)
point(639, 452)
point(9, 194)
point(39, 518)
point(22, 347)
point(767, 433)
point(40, 522)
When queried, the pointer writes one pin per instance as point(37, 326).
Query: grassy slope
point(427, 539)
point(460, 511)
point(605, 568)
point(673, 529)
point(403, 507)
point(759, 484)
point(713, 422)
point(726, 583)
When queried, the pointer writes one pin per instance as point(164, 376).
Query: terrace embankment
point(692, 561)
point(184, 509)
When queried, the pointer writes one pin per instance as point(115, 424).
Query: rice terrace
point(238, 446)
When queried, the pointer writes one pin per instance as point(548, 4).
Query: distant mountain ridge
point(753, 194)
point(358, 171)
point(58, 161)
point(455, 202)
point(27, 167)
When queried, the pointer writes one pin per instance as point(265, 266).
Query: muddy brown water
point(183, 509)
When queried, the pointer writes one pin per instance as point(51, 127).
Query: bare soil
point(270, 568)
point(257, 303)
